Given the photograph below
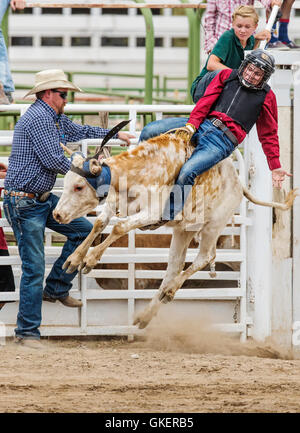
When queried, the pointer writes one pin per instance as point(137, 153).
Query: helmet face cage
point(261, 59)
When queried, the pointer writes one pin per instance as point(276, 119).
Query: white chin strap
point(245, 83)
point(251, 86)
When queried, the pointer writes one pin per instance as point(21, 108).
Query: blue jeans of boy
point(211, 147)
point(5, 74)
point(28, 218)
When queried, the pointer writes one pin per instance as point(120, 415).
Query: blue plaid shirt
point(37, 157)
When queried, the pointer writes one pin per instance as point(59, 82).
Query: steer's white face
point(78, 197)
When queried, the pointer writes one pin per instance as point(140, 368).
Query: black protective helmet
point(264, 61)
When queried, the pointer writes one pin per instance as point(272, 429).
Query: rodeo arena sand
point(178, 367)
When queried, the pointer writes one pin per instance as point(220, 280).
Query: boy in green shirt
point(229, 50)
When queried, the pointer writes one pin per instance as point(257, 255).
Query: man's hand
point(17, 4)
point(66, 149)
point(185, 132)
point(278, 176)
point(276, 3)
point(264, 35)
point(124, 136)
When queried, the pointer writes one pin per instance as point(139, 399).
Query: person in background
point(36, 159)
point(283, 40)
point(7, 282)
point(229, 50)
point(6, 82)
point(219, 14)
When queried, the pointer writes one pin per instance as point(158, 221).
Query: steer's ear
point(95, 167)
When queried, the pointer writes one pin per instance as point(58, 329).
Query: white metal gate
point(110, 312)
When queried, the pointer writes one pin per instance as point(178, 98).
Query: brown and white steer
point(150, 167)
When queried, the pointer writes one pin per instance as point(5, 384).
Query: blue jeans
point(28, 219)
point(153, 129)
point(202, 85)
point(5, 74)
point(211, 147)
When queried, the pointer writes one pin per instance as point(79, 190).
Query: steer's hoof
point(166, 297)
point(141, 323)
point(69, 268)
point(86, 269)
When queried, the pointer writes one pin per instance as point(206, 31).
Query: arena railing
point(95, 317)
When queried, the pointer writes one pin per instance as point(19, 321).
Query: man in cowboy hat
point(36, 158)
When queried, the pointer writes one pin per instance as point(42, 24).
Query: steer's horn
point(108, 136)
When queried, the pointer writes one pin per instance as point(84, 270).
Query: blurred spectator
point(219, 15)
point(229, 50)
point(6, 82)
point(283, 40)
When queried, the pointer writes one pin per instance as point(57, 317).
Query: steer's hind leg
point(207, 253)
point(179, 244)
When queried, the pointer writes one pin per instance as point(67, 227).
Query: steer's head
point(86, 183)
point(80, 189)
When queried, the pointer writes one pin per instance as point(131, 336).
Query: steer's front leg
point(74, 261)
point(120, 229)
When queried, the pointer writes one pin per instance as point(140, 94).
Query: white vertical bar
point(132, 124)
point(243, 274)
point(296, 209)
point(48, 239)
point(2, 334)
point(84, 147)
point(82, 286)
point(259, 249)
point(243, 249)
point(269, 25)
point(132, 117)
point(131, 278)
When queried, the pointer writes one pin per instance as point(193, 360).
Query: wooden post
point(103, 115)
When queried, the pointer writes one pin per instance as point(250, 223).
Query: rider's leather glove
point(186, 132)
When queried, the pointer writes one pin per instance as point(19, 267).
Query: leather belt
point(40, 197)
point(220, 125)
point(20, 194)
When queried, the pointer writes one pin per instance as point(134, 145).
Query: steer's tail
point(283, 206)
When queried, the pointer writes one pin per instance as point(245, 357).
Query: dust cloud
point(182, 334)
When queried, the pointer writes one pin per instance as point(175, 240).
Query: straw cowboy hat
point(51, 79)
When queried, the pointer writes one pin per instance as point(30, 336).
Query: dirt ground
point(177, 367)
